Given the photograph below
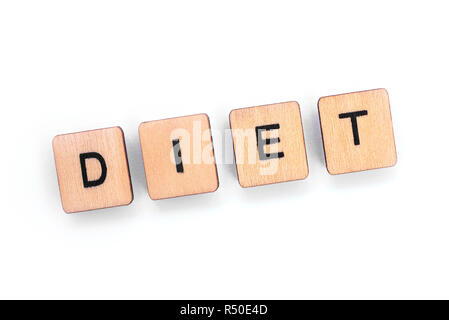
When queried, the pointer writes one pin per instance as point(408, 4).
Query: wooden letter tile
point(357, 131)
point(92, 169)
point(178, 156)
point(269, 144)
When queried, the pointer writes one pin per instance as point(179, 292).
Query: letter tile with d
point(92, 168)
point(357, 131)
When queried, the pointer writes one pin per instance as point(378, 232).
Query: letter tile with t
point(357, 131)
point(178, 156)
point(269, 144)
point(92, 169)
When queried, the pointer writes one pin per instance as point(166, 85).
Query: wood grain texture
point(253, 170)
point(116, 189)
point(376, 148)
point(198, 162)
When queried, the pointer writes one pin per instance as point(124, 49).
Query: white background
point(69, 66)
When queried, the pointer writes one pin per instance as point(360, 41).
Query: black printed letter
point(178, 157)
point(92, 155)
point(353, 116)
point(263, 142)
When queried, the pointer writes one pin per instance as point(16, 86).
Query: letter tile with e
point(178, 156)
point(269, 144)
point(92, 169)
point(357, 131)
